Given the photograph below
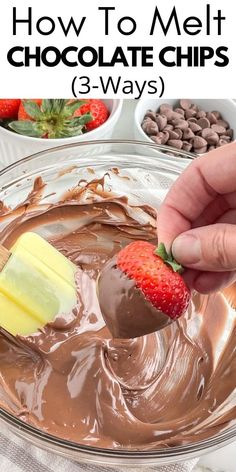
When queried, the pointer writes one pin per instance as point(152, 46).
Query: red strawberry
point(97, 109)
point(156, 275)
point(22, 113)
point(9, 108)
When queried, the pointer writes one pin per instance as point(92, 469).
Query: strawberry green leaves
point(27, 128)
point(32, 109)
point(168, 258)
point(54, 118)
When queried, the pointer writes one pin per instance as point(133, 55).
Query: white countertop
point(224, 460)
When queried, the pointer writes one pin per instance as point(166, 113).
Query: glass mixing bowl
point(152, 174)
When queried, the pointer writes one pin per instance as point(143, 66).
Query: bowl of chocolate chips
point(196, 126)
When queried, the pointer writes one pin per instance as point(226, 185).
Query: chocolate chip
point(192, 120)
point(221, 142)
point(180, 111)
point(190, 113)
point(188, 134)
point(226, 138)
point(161, 121)
point(206, 132)
point(169, 114)
point(211, 117)
point(229, 133)
point(198, 142)
point(201, 114)
point(203, 123)
point(164, 137)
point(218, 129)
point(164, 107)
point(217, 114)
point(177, 143)
point(223, 123)
point(194, 127)
point(156, 139)
point(187, 146)
point(185, 104)
point(168, 127)
point(150, 127)
point(202, 150)
point(173, 134)
point(150, 114)
point(177, 116)
point(181, 124)
point(179, 132)
point(211, 137)
point(144, 126)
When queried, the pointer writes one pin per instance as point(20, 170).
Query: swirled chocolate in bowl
point(74, 381)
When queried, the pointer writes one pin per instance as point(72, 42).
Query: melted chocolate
point(74, 381)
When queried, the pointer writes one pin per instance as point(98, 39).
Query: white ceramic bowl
point(14, 146)
point(226, 107)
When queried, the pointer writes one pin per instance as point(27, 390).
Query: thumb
point(209, 248)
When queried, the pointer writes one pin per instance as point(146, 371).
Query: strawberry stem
point(168, 258)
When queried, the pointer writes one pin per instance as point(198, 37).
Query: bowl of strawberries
point(32, 125)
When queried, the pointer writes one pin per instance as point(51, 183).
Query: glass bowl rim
point(176, 452)
point(179, 154)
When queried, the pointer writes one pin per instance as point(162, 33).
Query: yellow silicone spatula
point(36, 283)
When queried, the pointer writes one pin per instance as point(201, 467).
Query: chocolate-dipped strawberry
point(141, 290)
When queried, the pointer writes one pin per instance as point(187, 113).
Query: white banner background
point(51, 82)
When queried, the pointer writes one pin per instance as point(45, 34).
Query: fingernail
point(186, 249)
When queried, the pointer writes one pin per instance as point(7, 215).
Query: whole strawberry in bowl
point(97, 110)
point(141, 290)
point(9, 108)
point(38, 124)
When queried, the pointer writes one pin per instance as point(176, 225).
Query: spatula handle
point(4, 256)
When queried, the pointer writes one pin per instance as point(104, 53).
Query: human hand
point(197, 220)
